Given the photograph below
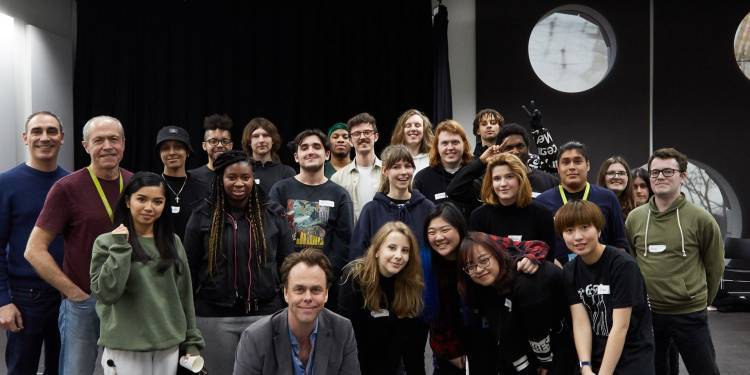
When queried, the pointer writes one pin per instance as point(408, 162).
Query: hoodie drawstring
point(679, 225)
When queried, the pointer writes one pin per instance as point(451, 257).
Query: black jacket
point(238, 286)
point(433, 183)
point(268, 173)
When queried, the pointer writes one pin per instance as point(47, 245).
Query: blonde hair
point(398, 137)
point(409, 285)
point(392, 155)
point(453, 127)
point(518, 168)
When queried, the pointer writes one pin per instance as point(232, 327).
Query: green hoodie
point(685, 262)
point(139, 308)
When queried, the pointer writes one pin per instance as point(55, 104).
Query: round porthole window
point(572, 48)
point(742, 46)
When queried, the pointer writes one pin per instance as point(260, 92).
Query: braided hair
point(253, 212)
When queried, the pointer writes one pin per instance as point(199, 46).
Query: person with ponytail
point(235, 240)
point(381, 293)
point(141, 280)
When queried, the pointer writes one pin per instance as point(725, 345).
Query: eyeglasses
point(214, 141)
point(366, 133)
point(473, 268)
point(616, 173)
point(667, 172)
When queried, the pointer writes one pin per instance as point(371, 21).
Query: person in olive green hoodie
point(141, 280)
point(680, 252)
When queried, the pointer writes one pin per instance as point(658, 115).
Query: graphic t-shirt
point(613, 282)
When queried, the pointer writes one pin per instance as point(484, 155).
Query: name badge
point(441, 196)
point(509, 304)
point(325, 203)
point(602, 289)
point(571, 256)
point(515, 237)
point(382, 313)
point(175, 209)
point(257, 181)
point(656, 248)
point(535, 194)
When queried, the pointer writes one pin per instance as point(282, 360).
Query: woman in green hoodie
point(141, 280)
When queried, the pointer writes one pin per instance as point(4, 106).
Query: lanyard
point(565, 199)
point(101, 193)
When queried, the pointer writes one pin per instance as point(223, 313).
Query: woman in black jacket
point(235, 241)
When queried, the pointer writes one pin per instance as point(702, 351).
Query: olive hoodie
point(680, 253)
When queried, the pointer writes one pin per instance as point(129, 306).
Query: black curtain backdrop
point(442, 99)
point(301, 65)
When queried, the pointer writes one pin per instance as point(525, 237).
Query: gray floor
point(730, 332)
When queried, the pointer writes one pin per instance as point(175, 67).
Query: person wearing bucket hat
point(338, 135)
point(184, 192)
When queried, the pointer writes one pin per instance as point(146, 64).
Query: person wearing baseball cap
point(338, 135)
point(183, 191)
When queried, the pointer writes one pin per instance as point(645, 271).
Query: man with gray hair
point(80, 207)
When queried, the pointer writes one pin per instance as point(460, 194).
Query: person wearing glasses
point(614, 175)
point(362, 176)
point(515, 320)
point(217, 139)
point(679, 249)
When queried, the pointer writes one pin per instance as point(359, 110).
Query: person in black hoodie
point(235, 242)
point(395, 200)
point(449, 153)
point(514, 319)
point(381, 293)
point(261, 141)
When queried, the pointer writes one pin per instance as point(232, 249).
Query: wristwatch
point(583, 364)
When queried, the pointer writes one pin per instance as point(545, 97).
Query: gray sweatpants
point(222, 336)
point(124, 362)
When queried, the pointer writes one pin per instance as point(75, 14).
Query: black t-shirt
point(533, 222)
point(183, 196)
point(613, 282)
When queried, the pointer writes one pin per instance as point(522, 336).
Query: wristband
point(583, 364)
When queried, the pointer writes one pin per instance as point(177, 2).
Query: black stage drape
point(442, 100)
point(301, 65)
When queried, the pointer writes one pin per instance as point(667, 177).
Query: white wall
point(37, 42)
point(462, 56)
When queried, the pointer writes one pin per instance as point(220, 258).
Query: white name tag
point(656, 248)
point(602, 289)
point(509, 304)
point(382, 313)
point(175, 209)
point(535, 194)
point(441, 196)
point(325, 203)
point(515, 237)
point(257, 181)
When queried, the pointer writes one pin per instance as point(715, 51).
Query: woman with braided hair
point(235, 241)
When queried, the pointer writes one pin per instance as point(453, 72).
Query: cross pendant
point(177, 200)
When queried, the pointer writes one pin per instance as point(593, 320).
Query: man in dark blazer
point(304, 338)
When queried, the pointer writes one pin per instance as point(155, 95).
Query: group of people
point(509, 261)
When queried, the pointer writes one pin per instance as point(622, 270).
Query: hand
point(459, 362)
point(121, 229)
point(527, 266)
point(10, 318)
point(489, 153)
point(535, 115)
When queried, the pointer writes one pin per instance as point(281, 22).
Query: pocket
point(668, 291)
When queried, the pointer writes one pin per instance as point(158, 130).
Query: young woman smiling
point(140, 277)
point(381, 293)
point(508, 209)
point(236, 242)
point(614, 175)
point(414, 130)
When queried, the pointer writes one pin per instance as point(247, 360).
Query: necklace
point(176, 194)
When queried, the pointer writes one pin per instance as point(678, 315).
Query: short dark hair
point(487, 112)
point(670, 153)
point(578, 212)
point(573, 145)
point(267, 125)
point(217, 121)
point(310, 256)
point(362, 118)
point(48, 113)
point(513, 129)
point(308, 132)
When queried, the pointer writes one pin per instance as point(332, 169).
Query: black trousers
point(693, 339)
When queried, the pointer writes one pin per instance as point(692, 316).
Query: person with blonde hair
point(381, 293)
point(508, 208)
point(450, 153)
point(414, 130)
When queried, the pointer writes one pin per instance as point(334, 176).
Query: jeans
point(79, 332)
point(39, 309)
point(693, 339)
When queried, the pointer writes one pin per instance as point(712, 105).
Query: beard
point(311, 168)
point(339, 154)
